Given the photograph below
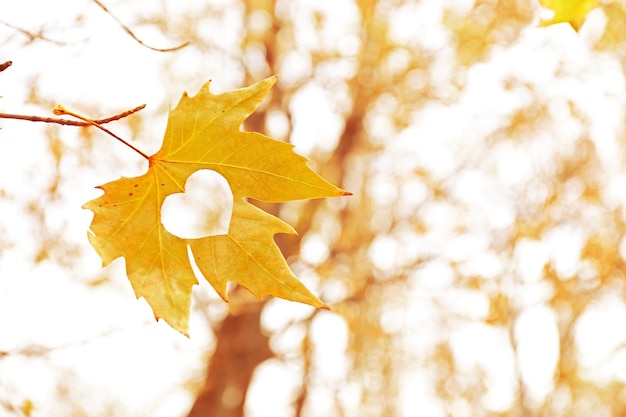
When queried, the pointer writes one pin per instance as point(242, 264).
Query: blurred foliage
point(476, 265)
point(573, 12)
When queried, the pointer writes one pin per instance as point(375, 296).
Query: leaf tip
point(223, 296)
point(346, 193)
point(324, 307)
point(184, 333)
point(180, 327)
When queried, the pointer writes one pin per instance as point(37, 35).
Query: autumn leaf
point(203, 132)
point(573, 12)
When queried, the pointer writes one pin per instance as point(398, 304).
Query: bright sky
point(108, 343)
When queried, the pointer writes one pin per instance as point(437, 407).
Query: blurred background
point(478, 269)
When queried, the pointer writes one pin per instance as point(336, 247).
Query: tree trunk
point(240, 348)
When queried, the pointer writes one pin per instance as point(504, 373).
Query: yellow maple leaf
point(573, 12)
point(203, 132)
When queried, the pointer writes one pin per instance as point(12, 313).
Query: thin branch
point(70, 122)
point(130, 32)
point(5, 65)
point(32, 36)
point(59, 110)
point(40, 350)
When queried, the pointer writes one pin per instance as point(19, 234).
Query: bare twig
point(70, 122)
point(5, 65)
point(40, 350)
point(32, 36)
point(59, 110)
point(130, 32)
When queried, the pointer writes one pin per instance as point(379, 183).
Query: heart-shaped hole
point(204, 209)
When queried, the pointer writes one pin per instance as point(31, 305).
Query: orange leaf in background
point(573, 12)
point(203, 132)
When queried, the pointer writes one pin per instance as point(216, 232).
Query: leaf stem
point(60, 110)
